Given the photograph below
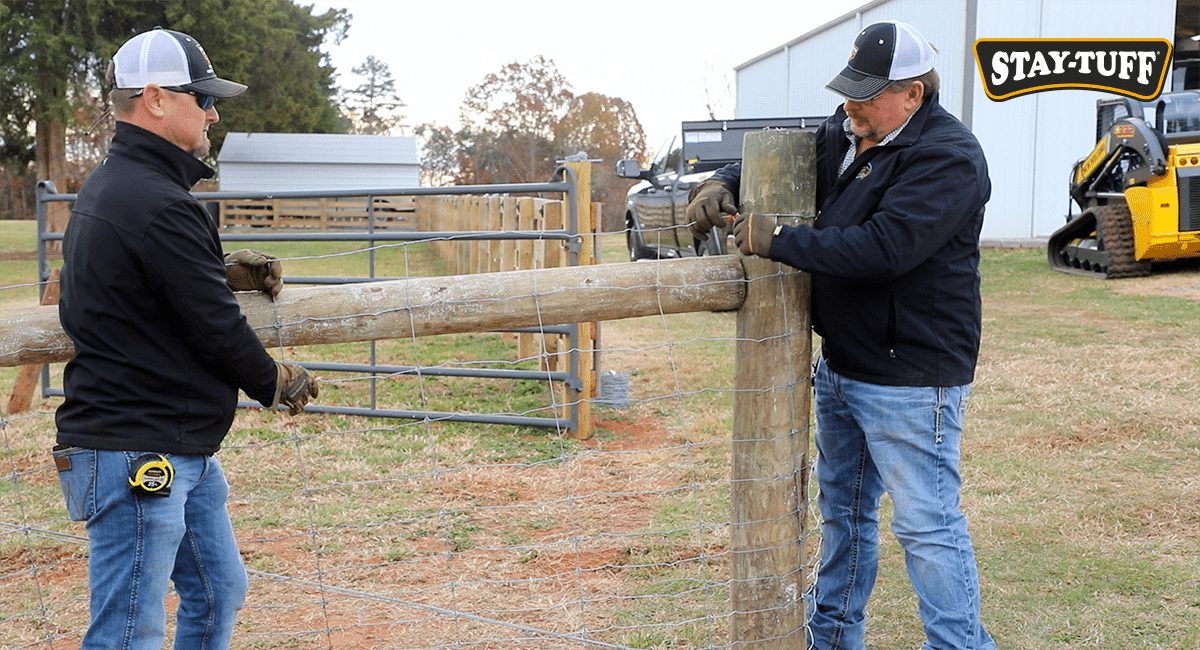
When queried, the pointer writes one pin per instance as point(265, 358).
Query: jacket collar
point(144, 146)
point(912, 130)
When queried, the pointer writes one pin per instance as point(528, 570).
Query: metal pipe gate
point(564, 181)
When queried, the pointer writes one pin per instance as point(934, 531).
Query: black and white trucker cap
point(883, 52)
point(172, 59)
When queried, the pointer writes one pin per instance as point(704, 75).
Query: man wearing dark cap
point(161, 351)
point(894, 259)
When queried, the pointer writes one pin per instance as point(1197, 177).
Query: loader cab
point(1177, 116)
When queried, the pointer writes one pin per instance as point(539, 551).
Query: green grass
point(1080, 463)
point(1081, 456)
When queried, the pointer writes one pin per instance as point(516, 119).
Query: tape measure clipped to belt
point(151, 474)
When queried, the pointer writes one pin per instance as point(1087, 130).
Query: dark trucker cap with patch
point(169, 59)
point(883, 53)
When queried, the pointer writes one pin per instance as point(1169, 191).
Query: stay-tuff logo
point(1135, 67)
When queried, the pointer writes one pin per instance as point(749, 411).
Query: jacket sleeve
point(731, 176)
point(186, 271)
point(934, 193)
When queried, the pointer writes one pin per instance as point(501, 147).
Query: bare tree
point(518, 122)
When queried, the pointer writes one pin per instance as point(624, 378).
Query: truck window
point(667, 159)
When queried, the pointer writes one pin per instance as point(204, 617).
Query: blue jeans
point(139, 544)
point(905, 441)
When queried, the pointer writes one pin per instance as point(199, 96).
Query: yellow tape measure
point(151, 474)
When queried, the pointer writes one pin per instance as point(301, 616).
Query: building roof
point(318, 148)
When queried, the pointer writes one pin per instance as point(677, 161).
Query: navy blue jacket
point(161, 345)
point(894, 251)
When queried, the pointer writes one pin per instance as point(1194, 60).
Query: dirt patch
point(625, 435)
point(18, 256)
point(485, 553)
point(1171, 283)
point(499, 554)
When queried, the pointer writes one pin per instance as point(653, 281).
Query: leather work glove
point(753, 233)
point(294, 386)
point(708, 203)
point(248, 270)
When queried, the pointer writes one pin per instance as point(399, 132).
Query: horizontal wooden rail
point(441, 305)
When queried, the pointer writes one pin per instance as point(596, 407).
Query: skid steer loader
point(1138, 190)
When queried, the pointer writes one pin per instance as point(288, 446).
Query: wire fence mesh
point(367, 533)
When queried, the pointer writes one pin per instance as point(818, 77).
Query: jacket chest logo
point(864, 172)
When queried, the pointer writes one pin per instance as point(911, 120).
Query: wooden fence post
point(772, 382)
point(526, 347)
point(586, 342)
point(21, 397)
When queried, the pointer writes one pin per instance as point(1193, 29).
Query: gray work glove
point(249, 270)
point(294, 386)
point(708, 203)
point(753, 233)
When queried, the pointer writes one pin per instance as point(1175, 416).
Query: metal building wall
point(265, 177)
point(790, 79)
point(1031, 142)
point(316, 161)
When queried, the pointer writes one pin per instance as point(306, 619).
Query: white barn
point(1031, 141)
point(255, 162)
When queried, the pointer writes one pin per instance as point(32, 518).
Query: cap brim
point(217, 87)
point(855, 85)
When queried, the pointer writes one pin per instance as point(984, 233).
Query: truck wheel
point(633, 240)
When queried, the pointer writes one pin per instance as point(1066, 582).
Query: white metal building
point(317, 161)
point(1031, 141)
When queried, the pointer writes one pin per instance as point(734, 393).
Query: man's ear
point(154, 100)
point(916, 94)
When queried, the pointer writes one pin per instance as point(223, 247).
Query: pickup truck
point(655, 208)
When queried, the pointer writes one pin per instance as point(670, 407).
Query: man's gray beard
point(865, 133)
point(201, 150)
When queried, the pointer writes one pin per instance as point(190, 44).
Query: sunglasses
point(205, 102)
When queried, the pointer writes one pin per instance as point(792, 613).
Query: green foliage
point(272, 46)
point(48, 52)
point(53, 54)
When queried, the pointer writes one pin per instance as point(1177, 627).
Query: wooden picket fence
point(320, 213)
point(504, 213)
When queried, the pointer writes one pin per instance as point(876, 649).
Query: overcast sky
point(669, 58)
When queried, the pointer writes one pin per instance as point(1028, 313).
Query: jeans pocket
point(77, 476)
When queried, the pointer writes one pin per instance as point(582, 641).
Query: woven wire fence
point(371, 533)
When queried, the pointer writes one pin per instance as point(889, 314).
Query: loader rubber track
point(1097, 243)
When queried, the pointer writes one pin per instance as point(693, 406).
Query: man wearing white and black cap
point(161, 351)
point(894, 259)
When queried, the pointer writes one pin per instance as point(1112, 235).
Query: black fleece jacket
point(894, 251)
point(161, 345)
